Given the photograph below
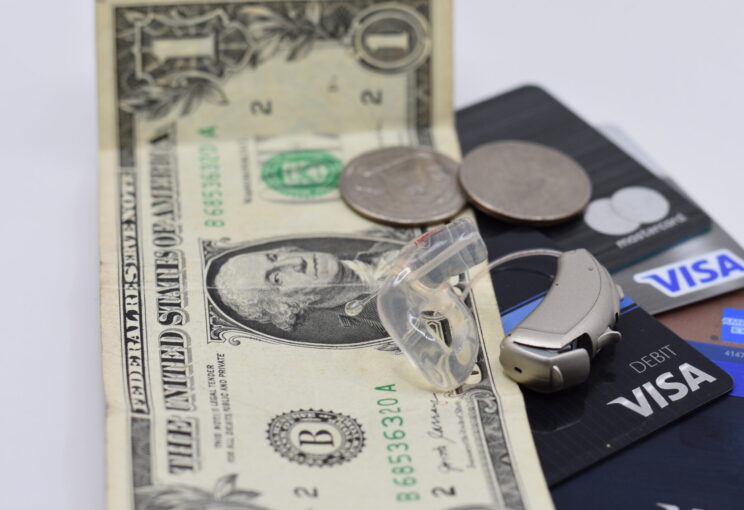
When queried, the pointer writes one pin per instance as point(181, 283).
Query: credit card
point(699, 268)
point(696, 462)
point(705, 266)
point(715, 328)
point(646, 381)
point(617, 236)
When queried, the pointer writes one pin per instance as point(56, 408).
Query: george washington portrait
point(300, 289)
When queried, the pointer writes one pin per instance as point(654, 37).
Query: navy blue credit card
point(695, 463)
point(646, 381)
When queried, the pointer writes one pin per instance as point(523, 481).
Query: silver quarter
point(405, 186)
point(525, 182)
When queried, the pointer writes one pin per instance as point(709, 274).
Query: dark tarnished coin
point(406, 186)
point(525, 182)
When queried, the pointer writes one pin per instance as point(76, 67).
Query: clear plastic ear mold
point(418, 290)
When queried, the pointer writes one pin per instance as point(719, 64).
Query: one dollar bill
point(235, 378)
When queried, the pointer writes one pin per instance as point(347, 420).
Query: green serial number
point(400, 461)
point(211, 185)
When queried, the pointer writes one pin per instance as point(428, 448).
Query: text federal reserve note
point(235, 379)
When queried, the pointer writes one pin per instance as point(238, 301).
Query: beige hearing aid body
point(553, 347)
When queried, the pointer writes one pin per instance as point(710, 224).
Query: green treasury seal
point(316, 438)
point(302, 173)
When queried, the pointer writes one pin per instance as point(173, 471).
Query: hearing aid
point(552, 348)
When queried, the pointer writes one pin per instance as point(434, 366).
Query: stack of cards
point(646, 410)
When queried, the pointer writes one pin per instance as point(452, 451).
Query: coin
point(404, 186)
point(525, 182)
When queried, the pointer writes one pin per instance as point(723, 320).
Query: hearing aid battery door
point(418, 294)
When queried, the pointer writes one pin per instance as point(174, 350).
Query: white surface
point(669, 73)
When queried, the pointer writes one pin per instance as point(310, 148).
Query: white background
point(668, 72)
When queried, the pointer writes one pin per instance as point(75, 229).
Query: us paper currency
point(234, 377)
